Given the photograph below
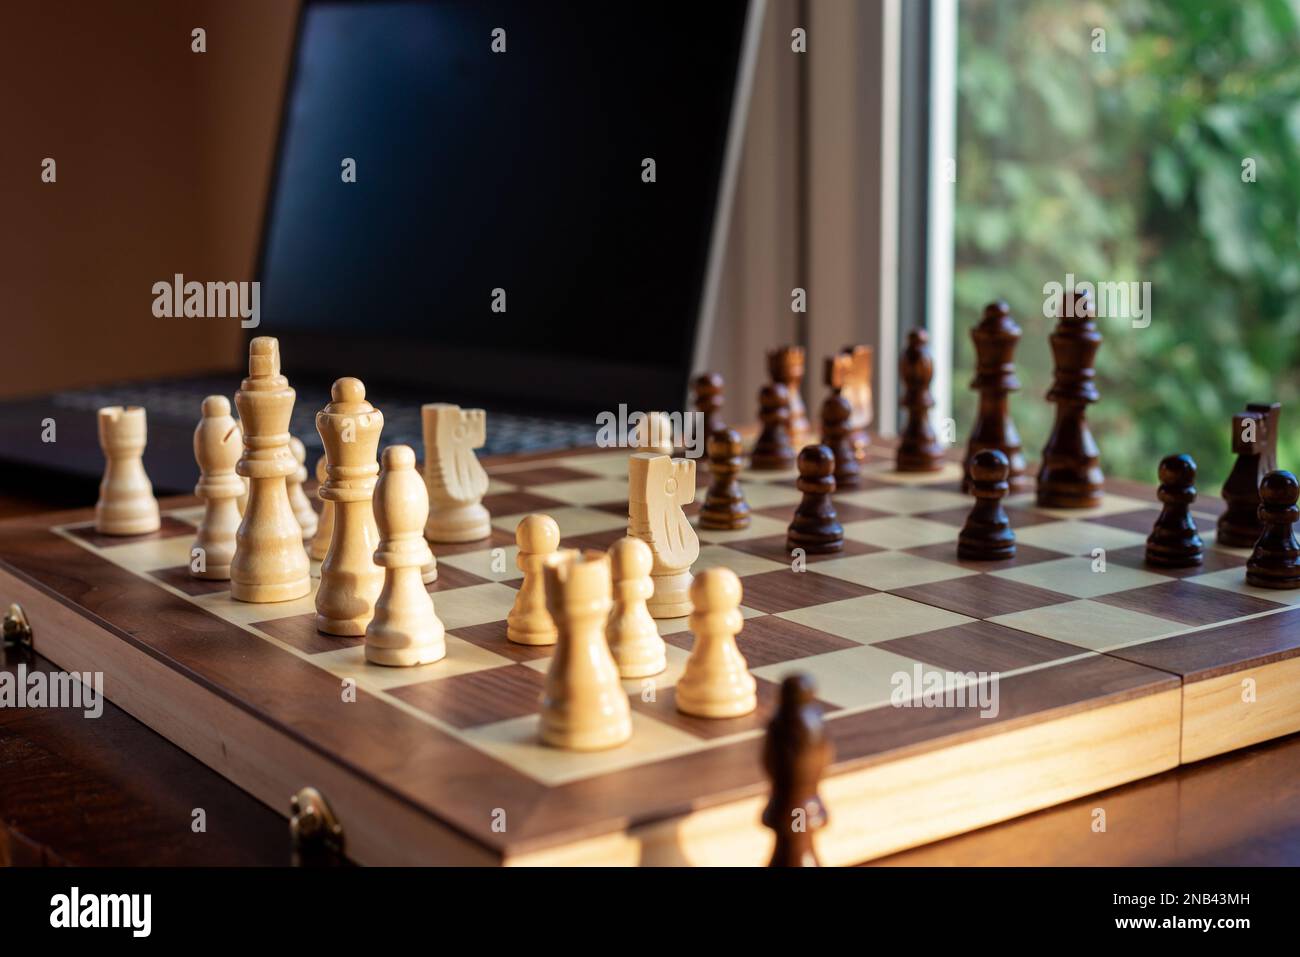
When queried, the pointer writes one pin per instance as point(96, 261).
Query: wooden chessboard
point(1101, 677)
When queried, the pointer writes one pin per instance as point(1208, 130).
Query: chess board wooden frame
point(1094, 692)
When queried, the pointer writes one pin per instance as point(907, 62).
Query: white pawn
point(654, 433)
point(218, 443)
point(126, 504)
point(633, 638)
point(319, 545)
point(716, 682)
point(298, 499)
point(584, 706)
point(405, 630)
point(529, 623)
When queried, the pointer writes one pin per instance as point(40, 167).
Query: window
point(1155, 143)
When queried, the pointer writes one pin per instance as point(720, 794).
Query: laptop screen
point(462, 195)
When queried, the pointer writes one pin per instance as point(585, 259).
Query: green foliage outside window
point(1166, 149)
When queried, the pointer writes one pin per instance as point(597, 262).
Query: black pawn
point(987, 534)
point(1275, 562)
point(1173, 542)
point(795, 755)
point(725, 508)
point(815, 527)
point(773, 451)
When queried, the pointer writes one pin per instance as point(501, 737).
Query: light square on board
point(1078, 538)
point(873, 618)
point(1089, 624)
point(888, 570)
point(484, 564)
point(474, 605)
point(516, 742)
point(170, 526)
point(760, 526)
point(143, 554)
point(1234, 579)
point(885, 470)
point(248, 613)
point(899, 531)
point(1074, 576)
point(858, 678)
point(611, 464)
point(766, 495)
point(1111, 504)
point(462, 658)
point(906, 500)
point(742, 563)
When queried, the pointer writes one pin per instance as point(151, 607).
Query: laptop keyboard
point(177, 402)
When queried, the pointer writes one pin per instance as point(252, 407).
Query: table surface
point(111, 791)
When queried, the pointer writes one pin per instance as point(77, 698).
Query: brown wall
point(163, 156)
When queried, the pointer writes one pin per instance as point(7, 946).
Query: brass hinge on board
point(315, 834)
point(17, 629)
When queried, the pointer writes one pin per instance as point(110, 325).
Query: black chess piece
point(837, 427)
point(795, 755)
point(919, 449)
point(987, 534)
point(995, 337)
point(773, 451)
point(1070, 474)
point(815, 527)
point(725, 508)
point(1174, 542)
point(1254, 442)
point(708, 400)
point(1275, 562)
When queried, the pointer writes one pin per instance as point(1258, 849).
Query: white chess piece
point(319, 546)
point(633, 638)
point(218, 443)
point(659, 487)
point(298, 499)
point(716, 682)
point(457, 482)
point(350, 581)
point(270, 563)
point(584, 706)
point(654, 433)
point(405, 630)
point(529, 623)
point(126, 504)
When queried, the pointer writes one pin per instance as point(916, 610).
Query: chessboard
point(956, 693)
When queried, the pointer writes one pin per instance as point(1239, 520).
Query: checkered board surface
point(1061, 635)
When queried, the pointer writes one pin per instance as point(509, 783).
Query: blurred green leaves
point(1127, 165)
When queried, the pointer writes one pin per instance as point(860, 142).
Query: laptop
point(509, 205)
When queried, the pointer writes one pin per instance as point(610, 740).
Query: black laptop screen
point(499, 220)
